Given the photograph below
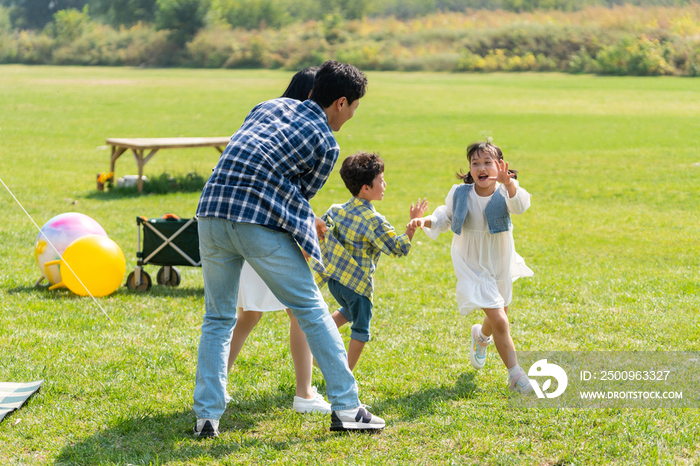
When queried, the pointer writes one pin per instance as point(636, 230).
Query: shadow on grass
point(427, 401)
point(114, 194)
point(117, 194)
point(164, 438)
point(26, 289)
point(159, 290)
point(155, 291)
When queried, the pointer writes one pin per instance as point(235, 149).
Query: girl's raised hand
point(502, 176)
point(419, 208)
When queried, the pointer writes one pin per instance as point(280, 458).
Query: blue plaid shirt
point(274, 164)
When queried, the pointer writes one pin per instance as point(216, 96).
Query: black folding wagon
point(167, 241)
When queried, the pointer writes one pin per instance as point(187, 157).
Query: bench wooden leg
point(116, 153)
point(140, 163)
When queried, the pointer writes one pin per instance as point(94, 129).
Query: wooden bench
point(140, 145)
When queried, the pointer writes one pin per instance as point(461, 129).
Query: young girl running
point(483, 253)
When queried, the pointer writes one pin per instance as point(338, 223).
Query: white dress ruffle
point(486, 264)
point(253, 293)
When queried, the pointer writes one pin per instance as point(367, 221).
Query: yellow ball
point(98, 262)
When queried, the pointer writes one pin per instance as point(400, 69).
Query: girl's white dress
point(485, 264)
point(253, 293)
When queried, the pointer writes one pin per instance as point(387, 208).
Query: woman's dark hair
point(301, 84)
point(335, 80)
point(360, 169)
point(482, 148)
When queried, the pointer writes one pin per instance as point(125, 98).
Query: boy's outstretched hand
point(416, 223)
point(419, 208)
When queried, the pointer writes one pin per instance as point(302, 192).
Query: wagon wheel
point(145, 282)
point(173, 280)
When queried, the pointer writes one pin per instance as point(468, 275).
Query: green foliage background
point(624, 40)
point(251, 14)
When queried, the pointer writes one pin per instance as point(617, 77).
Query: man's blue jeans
point(276, 257)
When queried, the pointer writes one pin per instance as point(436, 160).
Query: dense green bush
point(124, 12)
point(254, 14)
point(182, 18)
point(642, 57)
point(35, 14)
point(556, 41)
point(70, 24)
point(691, 65)
point(166, 183)
point(5, 23)
point(625, 41)
point(27, 47)
point(102, 45)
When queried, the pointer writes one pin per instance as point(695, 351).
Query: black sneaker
point(206, 428)
point(357, 419)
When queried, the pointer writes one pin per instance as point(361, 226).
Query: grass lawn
point(612, 236)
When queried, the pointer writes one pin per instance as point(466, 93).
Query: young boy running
point(357, 236)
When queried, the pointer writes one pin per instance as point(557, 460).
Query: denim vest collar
point(497, 215)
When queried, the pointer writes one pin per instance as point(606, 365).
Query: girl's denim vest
point(497, 215)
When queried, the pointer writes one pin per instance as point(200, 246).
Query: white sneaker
point(520, 383)
point(317, 404)
point(357, 419)
point(478, 349)
point(206, 428)
point(227, 398)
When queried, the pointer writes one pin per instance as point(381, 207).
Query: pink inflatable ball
point(61, 231)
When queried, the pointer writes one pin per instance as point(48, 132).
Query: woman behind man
point(255, 298)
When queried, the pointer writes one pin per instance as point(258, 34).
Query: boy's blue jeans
point(276, 257)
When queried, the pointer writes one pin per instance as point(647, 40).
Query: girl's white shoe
point(478, 349)
point(317, 404)
point(520, 383)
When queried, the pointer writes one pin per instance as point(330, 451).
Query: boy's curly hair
point(482, 148)
point(360, 169)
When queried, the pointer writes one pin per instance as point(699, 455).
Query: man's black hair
point(335, 80)
point(361, 169)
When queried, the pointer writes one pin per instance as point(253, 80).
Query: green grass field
point(612, 236)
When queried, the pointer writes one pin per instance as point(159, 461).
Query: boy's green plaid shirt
point(357, 236)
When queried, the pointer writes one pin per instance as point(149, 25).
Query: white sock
point(513, 371)
point(483, 337)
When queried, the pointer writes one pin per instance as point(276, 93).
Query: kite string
point(54, 248)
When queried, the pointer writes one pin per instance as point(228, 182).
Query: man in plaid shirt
point(357, 236)
point(255, 207)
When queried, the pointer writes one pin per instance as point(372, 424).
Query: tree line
point(191, 15)
point(624, 40)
